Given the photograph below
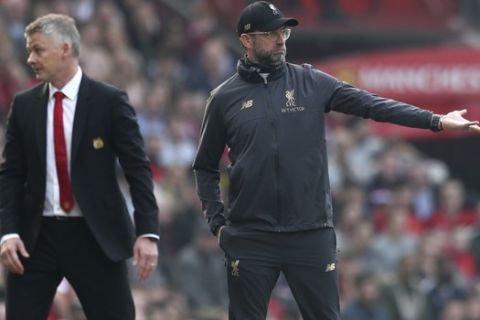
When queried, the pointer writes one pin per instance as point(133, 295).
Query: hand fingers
point(145, 257)
point(17, 265)
point(10, 257)
point(145, 272)
point(474, 128)
point(469, 124)
point(146, 266)
point(139, 256)
point(11, 260)
point(23, 251)
point(146, 263)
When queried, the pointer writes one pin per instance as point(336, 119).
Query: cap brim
point(278, 23)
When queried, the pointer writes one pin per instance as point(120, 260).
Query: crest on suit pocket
point(98, 143)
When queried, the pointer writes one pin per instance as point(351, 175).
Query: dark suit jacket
point(104, 130)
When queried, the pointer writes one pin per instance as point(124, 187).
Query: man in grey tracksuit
point(270, 115)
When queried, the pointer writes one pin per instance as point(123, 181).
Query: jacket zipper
point(276, 160)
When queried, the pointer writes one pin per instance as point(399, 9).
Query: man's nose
point(280, 40)
point(31, 58)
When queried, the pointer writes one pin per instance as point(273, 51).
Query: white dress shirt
point(52, 194)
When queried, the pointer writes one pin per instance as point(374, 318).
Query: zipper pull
point(264, 77)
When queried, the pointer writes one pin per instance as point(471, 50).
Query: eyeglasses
point(284, 34)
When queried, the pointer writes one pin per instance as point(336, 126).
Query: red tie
point(61, 160)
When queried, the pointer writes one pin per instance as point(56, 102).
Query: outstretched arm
point(355, 101)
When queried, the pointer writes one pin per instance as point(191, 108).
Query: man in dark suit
point(62, 212)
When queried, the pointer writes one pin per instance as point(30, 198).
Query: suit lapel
point(81, 114)
point(40, 116)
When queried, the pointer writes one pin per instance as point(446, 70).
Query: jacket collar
point(251, 72)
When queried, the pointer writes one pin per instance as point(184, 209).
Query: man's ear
point(246, 41)
point(66, 48)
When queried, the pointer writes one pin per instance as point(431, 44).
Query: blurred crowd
point(408, 232)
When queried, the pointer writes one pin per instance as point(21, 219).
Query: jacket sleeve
point(206, 164)
point(350, 100)
point(12, 174)
point(131, 152)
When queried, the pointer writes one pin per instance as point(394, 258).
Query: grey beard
point(271, 60)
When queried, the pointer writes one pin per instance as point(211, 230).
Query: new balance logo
point(330, 267)
point(247, 104)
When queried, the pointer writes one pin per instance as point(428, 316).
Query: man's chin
point(40, 77)
point(273, 60)
point(278, 59)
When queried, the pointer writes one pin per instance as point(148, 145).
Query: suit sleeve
point(12, 174)
point(130, 149)
point(206, 164)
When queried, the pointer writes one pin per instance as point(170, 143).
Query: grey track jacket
point(273, 127)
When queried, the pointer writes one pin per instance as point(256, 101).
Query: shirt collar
point(70, 90)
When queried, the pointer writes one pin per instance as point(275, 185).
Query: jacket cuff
point(216, 222)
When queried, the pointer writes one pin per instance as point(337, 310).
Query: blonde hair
point(59, 27)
